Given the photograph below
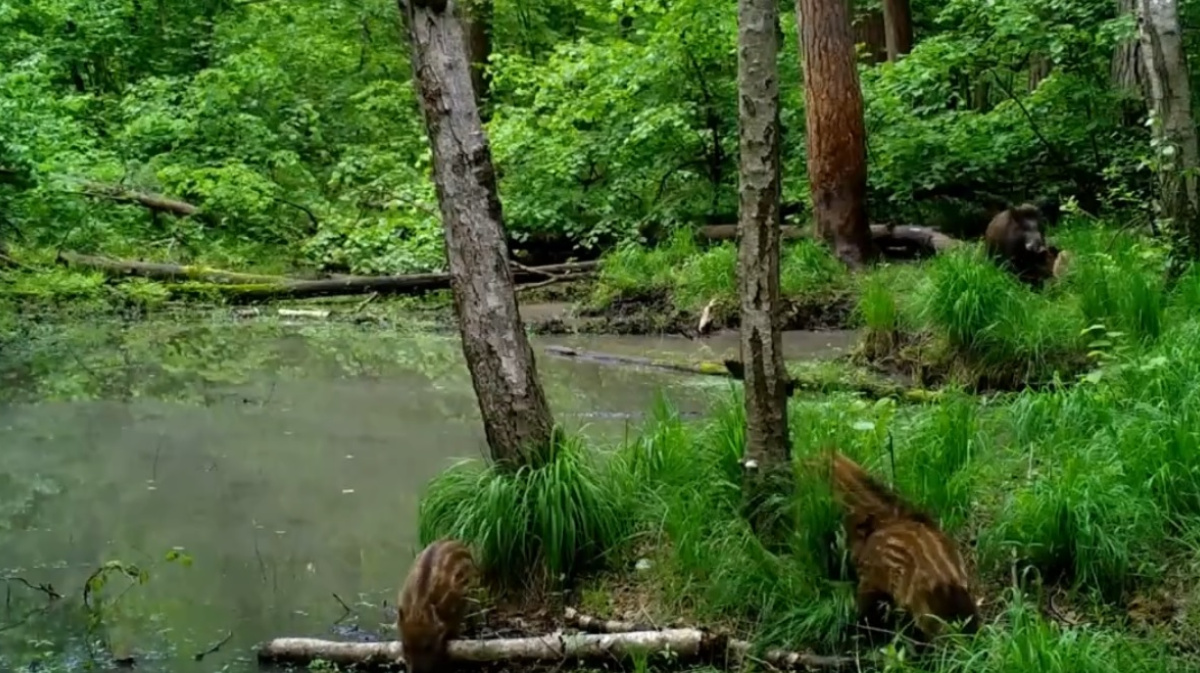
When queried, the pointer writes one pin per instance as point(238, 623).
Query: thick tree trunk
point(477, 22)
point(897, 25)
point(836, 138)
point(516, 416)
point(767, 448)
point(1171, 102)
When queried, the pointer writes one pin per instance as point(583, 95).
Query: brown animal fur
point(1014, 239)
point(901, 556)
point(433, 603)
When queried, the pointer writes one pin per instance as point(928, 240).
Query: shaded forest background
point(294, 128)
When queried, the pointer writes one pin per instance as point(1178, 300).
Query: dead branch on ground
point(683, 644)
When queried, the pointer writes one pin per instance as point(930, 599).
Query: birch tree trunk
point(516, 417)
point(1170, 102)
point(836, 137)
point(767, 458)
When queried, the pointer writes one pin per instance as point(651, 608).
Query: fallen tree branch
point(150, 200)
point(688, 643)
point(252, 287)
point(739, 649)
point(597, 625)
point(165, 272)
point(684, 644)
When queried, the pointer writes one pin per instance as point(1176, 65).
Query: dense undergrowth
point(954, 318)
point(1093, 489)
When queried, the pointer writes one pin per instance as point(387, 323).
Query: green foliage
point(690, 277)
point(294, 126)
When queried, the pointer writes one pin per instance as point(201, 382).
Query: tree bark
point(1171, 103)
point(684, 644)
point(477, 22)
point(1128, 71)
point(767, 452)
point(835, 134)
point(869, 29)
point(897, 26)
point(516, 416)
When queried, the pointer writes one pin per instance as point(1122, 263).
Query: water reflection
point(287, 462)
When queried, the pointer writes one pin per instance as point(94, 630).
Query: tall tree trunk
point(1040, 66)
point(477, 22)
point(1127, 67)
point(516, 417)
point(768, 458)
point(835, 135)
point(897, 25)
point(868, 29)
point(1171, 103)
point(1128, 72)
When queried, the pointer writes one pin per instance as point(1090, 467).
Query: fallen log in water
point(704, 368)
point(798, 381)
point(252, 287)
point(683, 645)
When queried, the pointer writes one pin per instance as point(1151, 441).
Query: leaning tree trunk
point(1171, 103)
point(897, 25)
point(516, 416)
point(767, 460)
point(837, 150)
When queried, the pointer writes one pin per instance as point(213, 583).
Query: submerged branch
point(733, 369)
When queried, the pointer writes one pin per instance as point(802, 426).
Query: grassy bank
point(951, 319)
point(1085, 497)
point(1091, 493)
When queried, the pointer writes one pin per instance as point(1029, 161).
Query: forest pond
point(283, 461)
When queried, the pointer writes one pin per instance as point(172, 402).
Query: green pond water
point(283, 461)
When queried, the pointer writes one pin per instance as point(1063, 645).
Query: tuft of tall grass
point(560, 518)
point(932, 467)
point(809, 267)
point(1122, 290)
point(983, 312)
